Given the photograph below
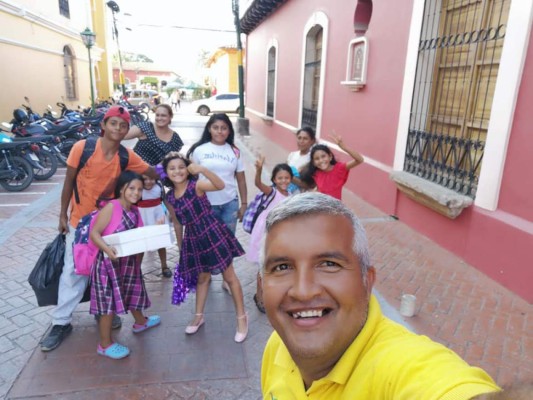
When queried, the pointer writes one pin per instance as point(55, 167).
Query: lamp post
point(243, 124)
point(89, 38)
point(115, 9)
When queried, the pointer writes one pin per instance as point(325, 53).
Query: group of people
point(204, 226)
point(315, 276)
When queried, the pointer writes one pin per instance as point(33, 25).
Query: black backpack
point(88, 150)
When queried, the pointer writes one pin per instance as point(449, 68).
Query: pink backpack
point(84, 250)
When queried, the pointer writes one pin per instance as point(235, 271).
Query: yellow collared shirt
point(385, 362)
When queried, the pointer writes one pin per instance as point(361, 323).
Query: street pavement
point(456, 305)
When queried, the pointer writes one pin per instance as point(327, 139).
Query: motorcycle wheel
point(48, 161)
point(61, 159)
point(65, 146)
point(22, 175)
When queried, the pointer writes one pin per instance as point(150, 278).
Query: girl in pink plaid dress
point(117, 284)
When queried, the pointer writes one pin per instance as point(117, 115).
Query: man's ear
point(370, 278)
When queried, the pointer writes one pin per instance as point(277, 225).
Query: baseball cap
point(116, 111)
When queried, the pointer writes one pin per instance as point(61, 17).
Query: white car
point(223, 102)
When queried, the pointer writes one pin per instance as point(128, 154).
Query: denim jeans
point(227, 213)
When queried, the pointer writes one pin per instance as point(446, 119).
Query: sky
point(158, 30)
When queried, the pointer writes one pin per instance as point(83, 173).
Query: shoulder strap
point(270, 197)
point(158, 183)
point(116, 217)
point(124, 157)
point(87, 152)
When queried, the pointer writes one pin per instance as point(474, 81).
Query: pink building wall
point(496, 243)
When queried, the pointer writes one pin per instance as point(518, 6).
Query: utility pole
point(115, 9)
point(243, 124)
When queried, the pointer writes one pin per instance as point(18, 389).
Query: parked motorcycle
point(16, 174)
point(37, 153)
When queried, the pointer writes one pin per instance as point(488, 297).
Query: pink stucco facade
point(496, 241)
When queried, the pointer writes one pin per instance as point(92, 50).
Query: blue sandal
point(151, 321)
point(115, 351)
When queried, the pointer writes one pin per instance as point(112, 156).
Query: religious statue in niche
point(357, 64)
point(358, 59)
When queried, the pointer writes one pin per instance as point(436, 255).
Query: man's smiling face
point(314, 294)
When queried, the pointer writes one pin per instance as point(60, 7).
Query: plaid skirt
point(117, 287)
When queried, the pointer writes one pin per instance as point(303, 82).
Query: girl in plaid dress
point(117, 284)
point(207, 246)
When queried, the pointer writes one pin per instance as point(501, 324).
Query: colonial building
point(436, 94)
point(44, 57)
point(136, 72)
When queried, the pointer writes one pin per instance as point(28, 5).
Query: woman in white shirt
point(216, 151)
point(305, 139)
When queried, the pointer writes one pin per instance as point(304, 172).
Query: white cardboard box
point(139, 240)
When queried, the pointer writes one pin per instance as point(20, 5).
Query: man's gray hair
point(314, 203)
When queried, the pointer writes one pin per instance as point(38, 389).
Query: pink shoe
point(192, 329)
point(240, 337)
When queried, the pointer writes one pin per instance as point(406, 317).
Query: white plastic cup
point(408, 304)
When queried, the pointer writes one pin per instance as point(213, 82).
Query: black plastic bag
point(44, 278)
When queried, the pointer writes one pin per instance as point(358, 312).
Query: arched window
point(362, 15)
point(312, 75)
point(271, 81)
point(69, 68)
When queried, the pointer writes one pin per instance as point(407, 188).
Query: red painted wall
point(498, 242)
point(516, 196)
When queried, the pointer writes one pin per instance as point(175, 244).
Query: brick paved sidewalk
point(458, 306)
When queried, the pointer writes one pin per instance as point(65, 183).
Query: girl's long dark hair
point(309, 169)
point(206, 135)
point(174, 155)
point(124, 179)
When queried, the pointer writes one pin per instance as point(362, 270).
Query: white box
point(139, 240)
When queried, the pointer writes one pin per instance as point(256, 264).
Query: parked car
point(222, 102)
point(143, 97)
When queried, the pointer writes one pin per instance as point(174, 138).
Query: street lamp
point(115, 9)
point(89, 39)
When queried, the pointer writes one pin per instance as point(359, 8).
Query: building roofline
point(258, 11)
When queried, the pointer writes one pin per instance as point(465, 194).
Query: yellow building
point(222, 70)
point(44, 58)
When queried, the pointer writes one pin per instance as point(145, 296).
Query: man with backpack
point(92, 169)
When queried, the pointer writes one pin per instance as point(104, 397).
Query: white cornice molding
point(30, 16)
point(29, 46)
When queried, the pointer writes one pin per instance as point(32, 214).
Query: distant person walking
point(175, 98)
point(156, 140)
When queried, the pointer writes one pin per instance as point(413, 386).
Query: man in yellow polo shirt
point(331, 340)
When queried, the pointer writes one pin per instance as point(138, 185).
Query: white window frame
point(318, 18)
point(272, 43)
point(512, 62)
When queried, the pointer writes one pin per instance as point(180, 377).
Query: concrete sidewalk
point(482, 321)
